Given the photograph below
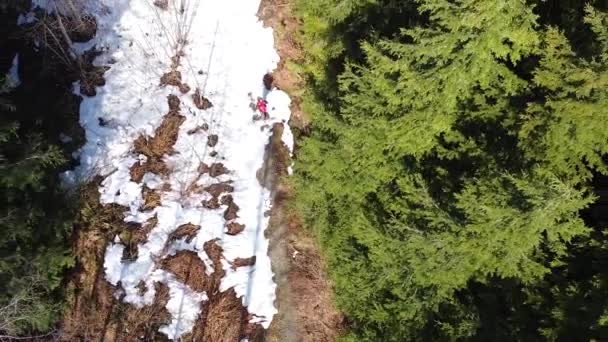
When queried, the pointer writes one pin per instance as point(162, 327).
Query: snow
point(230, 45)
point(28, 18)
point(183, 305)
point(64, 138)
point(12, 77)
point(112, 261)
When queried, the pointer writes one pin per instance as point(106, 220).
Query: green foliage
point(33, 243)
point(35, 213)
point(453, 164)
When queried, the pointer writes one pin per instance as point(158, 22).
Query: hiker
point(261, 106)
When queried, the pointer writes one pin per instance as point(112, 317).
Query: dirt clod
point(173, 102)
point(151, 198)
point(218, 188)
point(162, 4)
point(212, 140)
point(268, 80)
point(184, 88)
point(172, 77)
point(212, 203)
point(200, 101)
point(234, 228)
point(188, 268)
point(231, 212)
point(217, 169)
point(241, 262)
point(84, 29)
point(203, 127)
point(165, 135)
point(188, 231)
point(226, 199)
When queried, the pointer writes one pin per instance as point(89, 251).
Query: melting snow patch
point(184, 306)
point(28, 18)
point(12, 77)
point(233, 49)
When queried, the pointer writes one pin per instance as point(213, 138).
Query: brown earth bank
point(306, 310)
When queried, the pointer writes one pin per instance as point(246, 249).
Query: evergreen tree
point(458, 157)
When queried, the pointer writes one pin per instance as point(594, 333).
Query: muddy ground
point(304, 293)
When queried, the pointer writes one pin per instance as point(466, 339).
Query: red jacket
point(262, 106)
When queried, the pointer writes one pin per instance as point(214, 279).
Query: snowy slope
point(227, 51)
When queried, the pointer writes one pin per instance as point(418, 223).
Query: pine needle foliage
point(456, 154)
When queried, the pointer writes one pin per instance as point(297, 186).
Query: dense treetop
point(451, 162)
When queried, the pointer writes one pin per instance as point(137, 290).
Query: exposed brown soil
point(91, 76)
point(138, 235)
point(218, 169)
point(276, 156)
point(212, 203)
point(231, 211)
point(234, 228)
point(200, 101)
point(268, 81)
point(151, 198)
point(278, 15)
point(304, 294)
point(214, 251)
point(172, 77)
point(92, 312)
point(241, 262)
point(153, 165)
point(227, 199)
point(188, 231)
point(212, 140)
point(188, 268)
point(215, 170)
point(184, 88)
point(155, 147)
point(165, 135)
point(83, 29)
point(223, 318)
point(162, 4)
point(219, 188)
point(203, 168)
point(203, 127)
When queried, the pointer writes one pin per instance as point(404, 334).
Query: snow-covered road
point(224, 51)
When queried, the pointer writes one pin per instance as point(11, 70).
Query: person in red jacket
point(262, 107)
